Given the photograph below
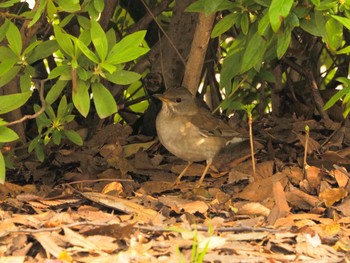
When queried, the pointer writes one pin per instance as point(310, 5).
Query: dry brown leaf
point(180, 205)
point(251, 208)
point(261, 189)
point(114, 230)
point(313, 176)
point(131, 149)
point(334, 158)
point(281, 207)
point(341, 177)
point(13, 259)
point(114, 186)
point(327, 230)
point(143, 214)
point(48, 242)
point(78, 240)
point(295, 174)
point(333, 195)
point(264, 169)
point(312, 145)
point(14, 189)
point(104, 243)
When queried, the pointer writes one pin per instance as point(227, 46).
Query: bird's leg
point(198, 184)
point(178, 179)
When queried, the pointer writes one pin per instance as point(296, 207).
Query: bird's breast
point(183, 139)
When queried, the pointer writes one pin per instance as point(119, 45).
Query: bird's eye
point(178, 100)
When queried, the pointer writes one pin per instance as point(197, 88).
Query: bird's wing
point(209, 125)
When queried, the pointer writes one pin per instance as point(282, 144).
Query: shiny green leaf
point(63, 40)
point(104, 102)
point(334, 34)
point(13, 101)
point(99, 39)
point(123, 77)
point(279, 9)
point(254, 52)
point(55, 91)
point(74, 137)
point(6, 78)
point(38, 13)
point(7, 135)
point(14, 38)
point(81, 98)
point(128, 48)
point(87, 52)
point(43, 50)
point(70, 6)
point(224, 24)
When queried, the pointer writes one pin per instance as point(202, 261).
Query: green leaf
point(315, 25)
point(74, 137)
point(7, 135)
point(14, 38)
point(70, 6)
point(263, 24)
point(336, 97)
point(224, 24)
point(343, 20)
point(43, 50)
point(345, 50)
point(334, 34)
point(13, 101)
point(6, 65)
point(278, 10)
point(283, 41)
point(123, 77)
point(104, 102)
point(56, 137)
point(209, 6)
point(244, 23)
point(316, 2)
point(51, 10)
point(99, 5)
point(128, 48)
point(62, 108)
point(111, 38)
point(230, 68)
point(4, 28)
point(38, 13)
point(99, 39)
point(87, 52)
point(8, 3)
point(63, 40)
point(25, 82)
point(254, 52)
point(81, 98)
point(39, 153)
point(84, 22)
point(109, 67)
point(326, 5)
point(2, 169)
point(31, 47)
point(59, 71)
point(9, 75)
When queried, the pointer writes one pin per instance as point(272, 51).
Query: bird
point(190, 131)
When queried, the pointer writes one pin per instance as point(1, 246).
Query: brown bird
point(189, 131)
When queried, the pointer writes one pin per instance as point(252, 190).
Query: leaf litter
point(113, 200)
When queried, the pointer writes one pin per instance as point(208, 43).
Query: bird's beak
point(162, 98)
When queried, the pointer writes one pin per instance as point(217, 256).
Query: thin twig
point(39, 112)
point(307, 135)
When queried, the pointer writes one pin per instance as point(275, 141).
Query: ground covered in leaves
point(113, 200)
